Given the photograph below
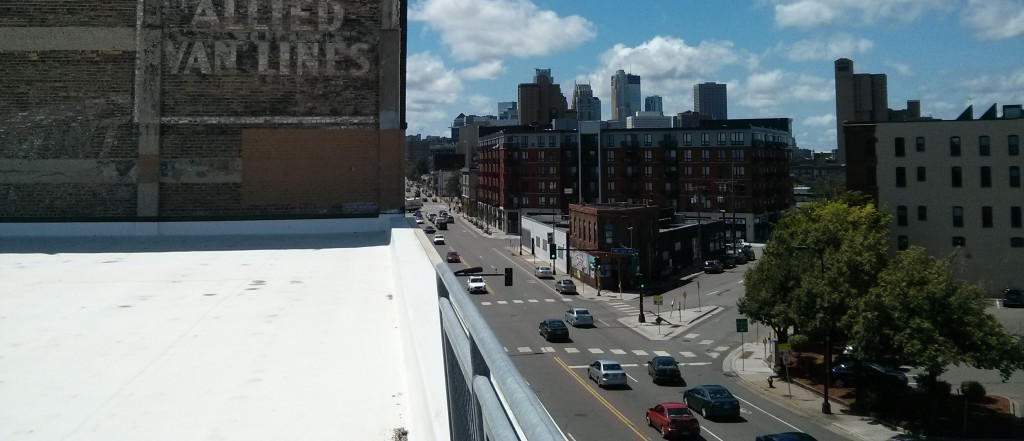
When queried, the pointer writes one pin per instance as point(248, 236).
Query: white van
point(413, 204)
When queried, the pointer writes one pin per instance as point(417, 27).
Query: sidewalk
point(747, 363)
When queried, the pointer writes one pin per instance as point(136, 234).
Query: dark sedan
point(786, 436)
point(554, 329)
point(845, 375)
point(712, 400)
point(664, 369)
point(453, 257)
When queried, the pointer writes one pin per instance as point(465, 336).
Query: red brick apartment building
point(735, 170)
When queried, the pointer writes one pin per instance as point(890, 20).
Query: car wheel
point(704, 411)
point(649, 423)
point(664, 433)
point(840, 383)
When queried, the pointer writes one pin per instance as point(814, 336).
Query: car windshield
point(665, 363)
point(679, 412)
point(719, 393)
point(476, 279)
point(612, 367)
point(556, 324)
point(582, 312)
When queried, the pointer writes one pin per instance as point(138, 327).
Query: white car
point(438, 239)
point(544, 272)
point(476, 284)
point(579, 317)
point(607, 373)
point(419, 220)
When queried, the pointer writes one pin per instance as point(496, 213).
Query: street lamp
point(826, 407)
point(641, 318)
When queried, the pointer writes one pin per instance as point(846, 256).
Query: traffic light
point(508, 276)
point(597, 262)
point(554, 251)
point(640, 281)
point(551, 237)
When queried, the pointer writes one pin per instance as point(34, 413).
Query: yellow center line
point(606, 404)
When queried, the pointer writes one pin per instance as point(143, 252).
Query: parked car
point(607, 373)
point(565, 286)
point(476, 284)
point(845, 375)
point(544, 272)
point(429, 229)
point(713, 266)
point(554, 329)
point(1013, 297)
point(786, 436)
point(439, 240)
point(673, 420)
point(664, 368)
point(738, 258)
point(728, 261)
point(453, 257)
point(748, 250)
point(449, 219)
point(579, 317)
point(431, 216)
point(712, 400)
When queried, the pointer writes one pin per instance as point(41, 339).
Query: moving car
point(565, 286)
point(713, 266)
point(748, 250)
point(1013, 297)
point(845, 375)
point(607, 373)
point(786, 436)
point(579, 317)
point(673, 420)
point(453, 257)
point(554, 329)
point(439, 240)
point(419, 220)
point(712, 400)
point(664, 368)
point(429, 229)
point(544, 272)
point(476, 284)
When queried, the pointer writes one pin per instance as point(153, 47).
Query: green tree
point(453, 186)
point(415, 170)
point(919, 313)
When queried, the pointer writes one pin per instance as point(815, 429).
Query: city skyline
point(777, 59)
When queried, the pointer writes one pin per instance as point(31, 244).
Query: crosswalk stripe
point(618, 352)
point(485, 303)
point(533, 301)
point(549, 300)
point(706, 342)
point(688, 354)
point(572, 350)
point(517, 301)
point(713, 354)
point(502, 302)
point(595, 351)
point(661, 353)
point(691, 336)
point(639, 352)
point(525, 349)
point(547, 349)
point(723, 349)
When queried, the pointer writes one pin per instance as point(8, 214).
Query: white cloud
point(482, 104)
point(768, 92)
point(1001, 89)
point(429, 86)
point(820, 121)
point(484, 30)
point(995, 19)
point(900, 68)
point(487, 70)
point(837, 46)
point(809, 14)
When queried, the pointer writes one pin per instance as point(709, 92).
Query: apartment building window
point(705, 139)
point(687, 155)
point(648, 186)
point(721, 156)
point(1014, 176)
point(1017, 242)
point(611, 170)
point(540, 142)
point(687, 139)
point(901, 176)
point(922, 213)
point(648, 171)
point(954, 145)
point(986, 217)
point(705, 155)
point(554, 187)
point(540, 155)
point(648, 155)
point(542, 201)
point(688, 171)
point(542, 187)
point(959, 241)
point(721, 138)
point(611, 185)
point(552, 171)
point(736, 138)
point(984, 146)
point(610, 155)
point(551, 141)
point(609, 140)
point(902, 242)
point(1015, 217)
point(648, 140)
point(958, 216)
point(739, 171)
point(705, 172)
point(900, 148)
point(1013, 145)
point(738, 155)
point(958, 180)
point(901, 216)
point(986, 177)
point(526, 201)
point(920, 174)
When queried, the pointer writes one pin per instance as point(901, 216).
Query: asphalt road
point(557, 370)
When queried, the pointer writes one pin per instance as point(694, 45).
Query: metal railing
point(488, 399)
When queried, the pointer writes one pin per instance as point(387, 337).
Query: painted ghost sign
point(267, 37)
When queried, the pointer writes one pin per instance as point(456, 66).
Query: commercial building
point(654, 103)
point(541, 101)
point(859, 98)
point(586, 105)
point(952, 187)
point(625, 95)
point(711, 99)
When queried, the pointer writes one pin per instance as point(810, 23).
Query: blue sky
point(775, 55)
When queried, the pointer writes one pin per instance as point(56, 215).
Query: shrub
point(800, 342)
point(972, 390)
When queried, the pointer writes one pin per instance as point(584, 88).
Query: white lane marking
point(547, 349)
point(631, 378)
point(533, 301)
point(618, 352)
point(517, 301)
point(566, 299)
point(766, 413)
point(629, 365)
point(595, 351)
point(603, 322)
point(691, 336)
point(712, 293)
point(549, 300)
point(525, 349)
point(706, 342)
point(713, 354)
point(661, 353)
point(485, 303)
point(621, 306)
point(688, 354)
point(639, 352)
point(502, 302)
point(721, 349)
point(702, 363)
point(572, 350)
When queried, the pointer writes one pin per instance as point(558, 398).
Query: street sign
point(684, 294)
point(622, 250)
point(658, 299)
point(741, 325)
point(784, 354)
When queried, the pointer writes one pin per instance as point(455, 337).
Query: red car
point(673, 420)
point(453, 257)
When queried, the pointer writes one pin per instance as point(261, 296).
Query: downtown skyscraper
point(625, 95)
point(711, 99)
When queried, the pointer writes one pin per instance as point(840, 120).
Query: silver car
point(607, 373)
point(565, 286)
point(579, 317)
point(544, 272)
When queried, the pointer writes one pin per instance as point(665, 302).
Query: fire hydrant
point(770, 386)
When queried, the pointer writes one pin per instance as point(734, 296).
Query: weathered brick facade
point(149, 109)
